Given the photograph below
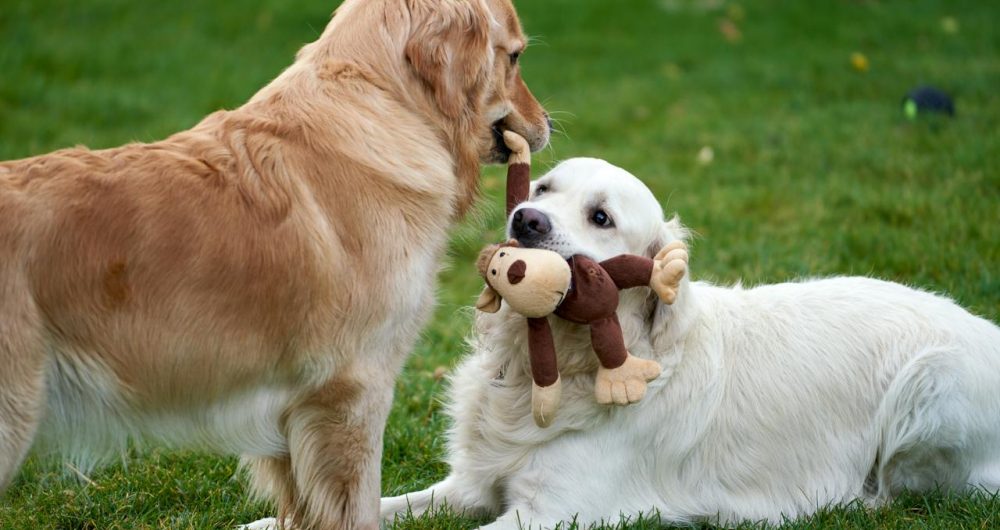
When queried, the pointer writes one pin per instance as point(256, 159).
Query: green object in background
point(910, 109)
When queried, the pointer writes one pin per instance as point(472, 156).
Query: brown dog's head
point(452, 64)
point(467, 52)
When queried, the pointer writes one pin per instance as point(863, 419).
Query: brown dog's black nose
point(529, 224)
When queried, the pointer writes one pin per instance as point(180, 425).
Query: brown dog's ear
point(489, 300)
point(449, 49)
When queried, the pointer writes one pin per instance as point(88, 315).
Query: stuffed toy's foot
point(627, 383)
point(545, 402)
point(669, 267)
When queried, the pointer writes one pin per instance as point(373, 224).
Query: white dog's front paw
point(269, 523)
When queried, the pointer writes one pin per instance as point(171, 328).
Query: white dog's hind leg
point(926, 426)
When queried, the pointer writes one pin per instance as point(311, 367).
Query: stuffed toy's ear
point(512, 243)
point(489, 300)
point(484, 258)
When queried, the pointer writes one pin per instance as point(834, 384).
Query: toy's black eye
point(493, 272)
point(602, 219)
point(502, 254)
point(513, 58)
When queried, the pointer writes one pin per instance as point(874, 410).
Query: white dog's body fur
point(773, 401)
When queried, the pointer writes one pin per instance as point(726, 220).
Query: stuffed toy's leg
point(546, 386)
point(669, 267)
point(621, 378)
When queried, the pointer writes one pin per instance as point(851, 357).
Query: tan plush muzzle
point(532, 281)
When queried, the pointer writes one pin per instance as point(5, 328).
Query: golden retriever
point(252, 285)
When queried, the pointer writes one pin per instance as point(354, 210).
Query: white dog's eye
point(602, 219)
point(540, 189)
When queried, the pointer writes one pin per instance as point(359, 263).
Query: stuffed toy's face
point(533, 281)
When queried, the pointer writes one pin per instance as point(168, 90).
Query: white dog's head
point(588, 206)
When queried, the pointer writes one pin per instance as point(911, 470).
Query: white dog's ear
point(671, 230)
point(449, 50)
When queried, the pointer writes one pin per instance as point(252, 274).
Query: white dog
point(773, 401)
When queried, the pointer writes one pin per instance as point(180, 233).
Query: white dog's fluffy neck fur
point(774, 401)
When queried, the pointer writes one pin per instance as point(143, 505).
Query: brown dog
point(253, 285)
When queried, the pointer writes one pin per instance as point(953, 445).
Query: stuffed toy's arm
point(629, 270)
point(518, 170)
point(621, 378)
point(662, 274)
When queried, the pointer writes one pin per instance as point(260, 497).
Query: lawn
point(813, 171)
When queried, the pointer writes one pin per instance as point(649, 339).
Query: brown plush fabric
point(593, 294)
point(542, 350)
point(606, 338)
point(629, 270)
point(518, 185)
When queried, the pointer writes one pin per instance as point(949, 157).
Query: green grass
point(815, 172)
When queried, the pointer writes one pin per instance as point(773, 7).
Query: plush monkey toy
point(537, 282)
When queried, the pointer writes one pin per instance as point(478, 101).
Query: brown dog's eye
point(513, 58)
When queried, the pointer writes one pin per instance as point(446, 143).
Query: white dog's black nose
point(529, 224)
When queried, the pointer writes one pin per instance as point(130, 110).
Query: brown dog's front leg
point(271, 478)
point(335, 443)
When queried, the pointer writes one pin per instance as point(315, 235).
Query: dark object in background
point(927, 99)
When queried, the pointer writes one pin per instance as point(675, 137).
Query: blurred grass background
point(748, 118)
